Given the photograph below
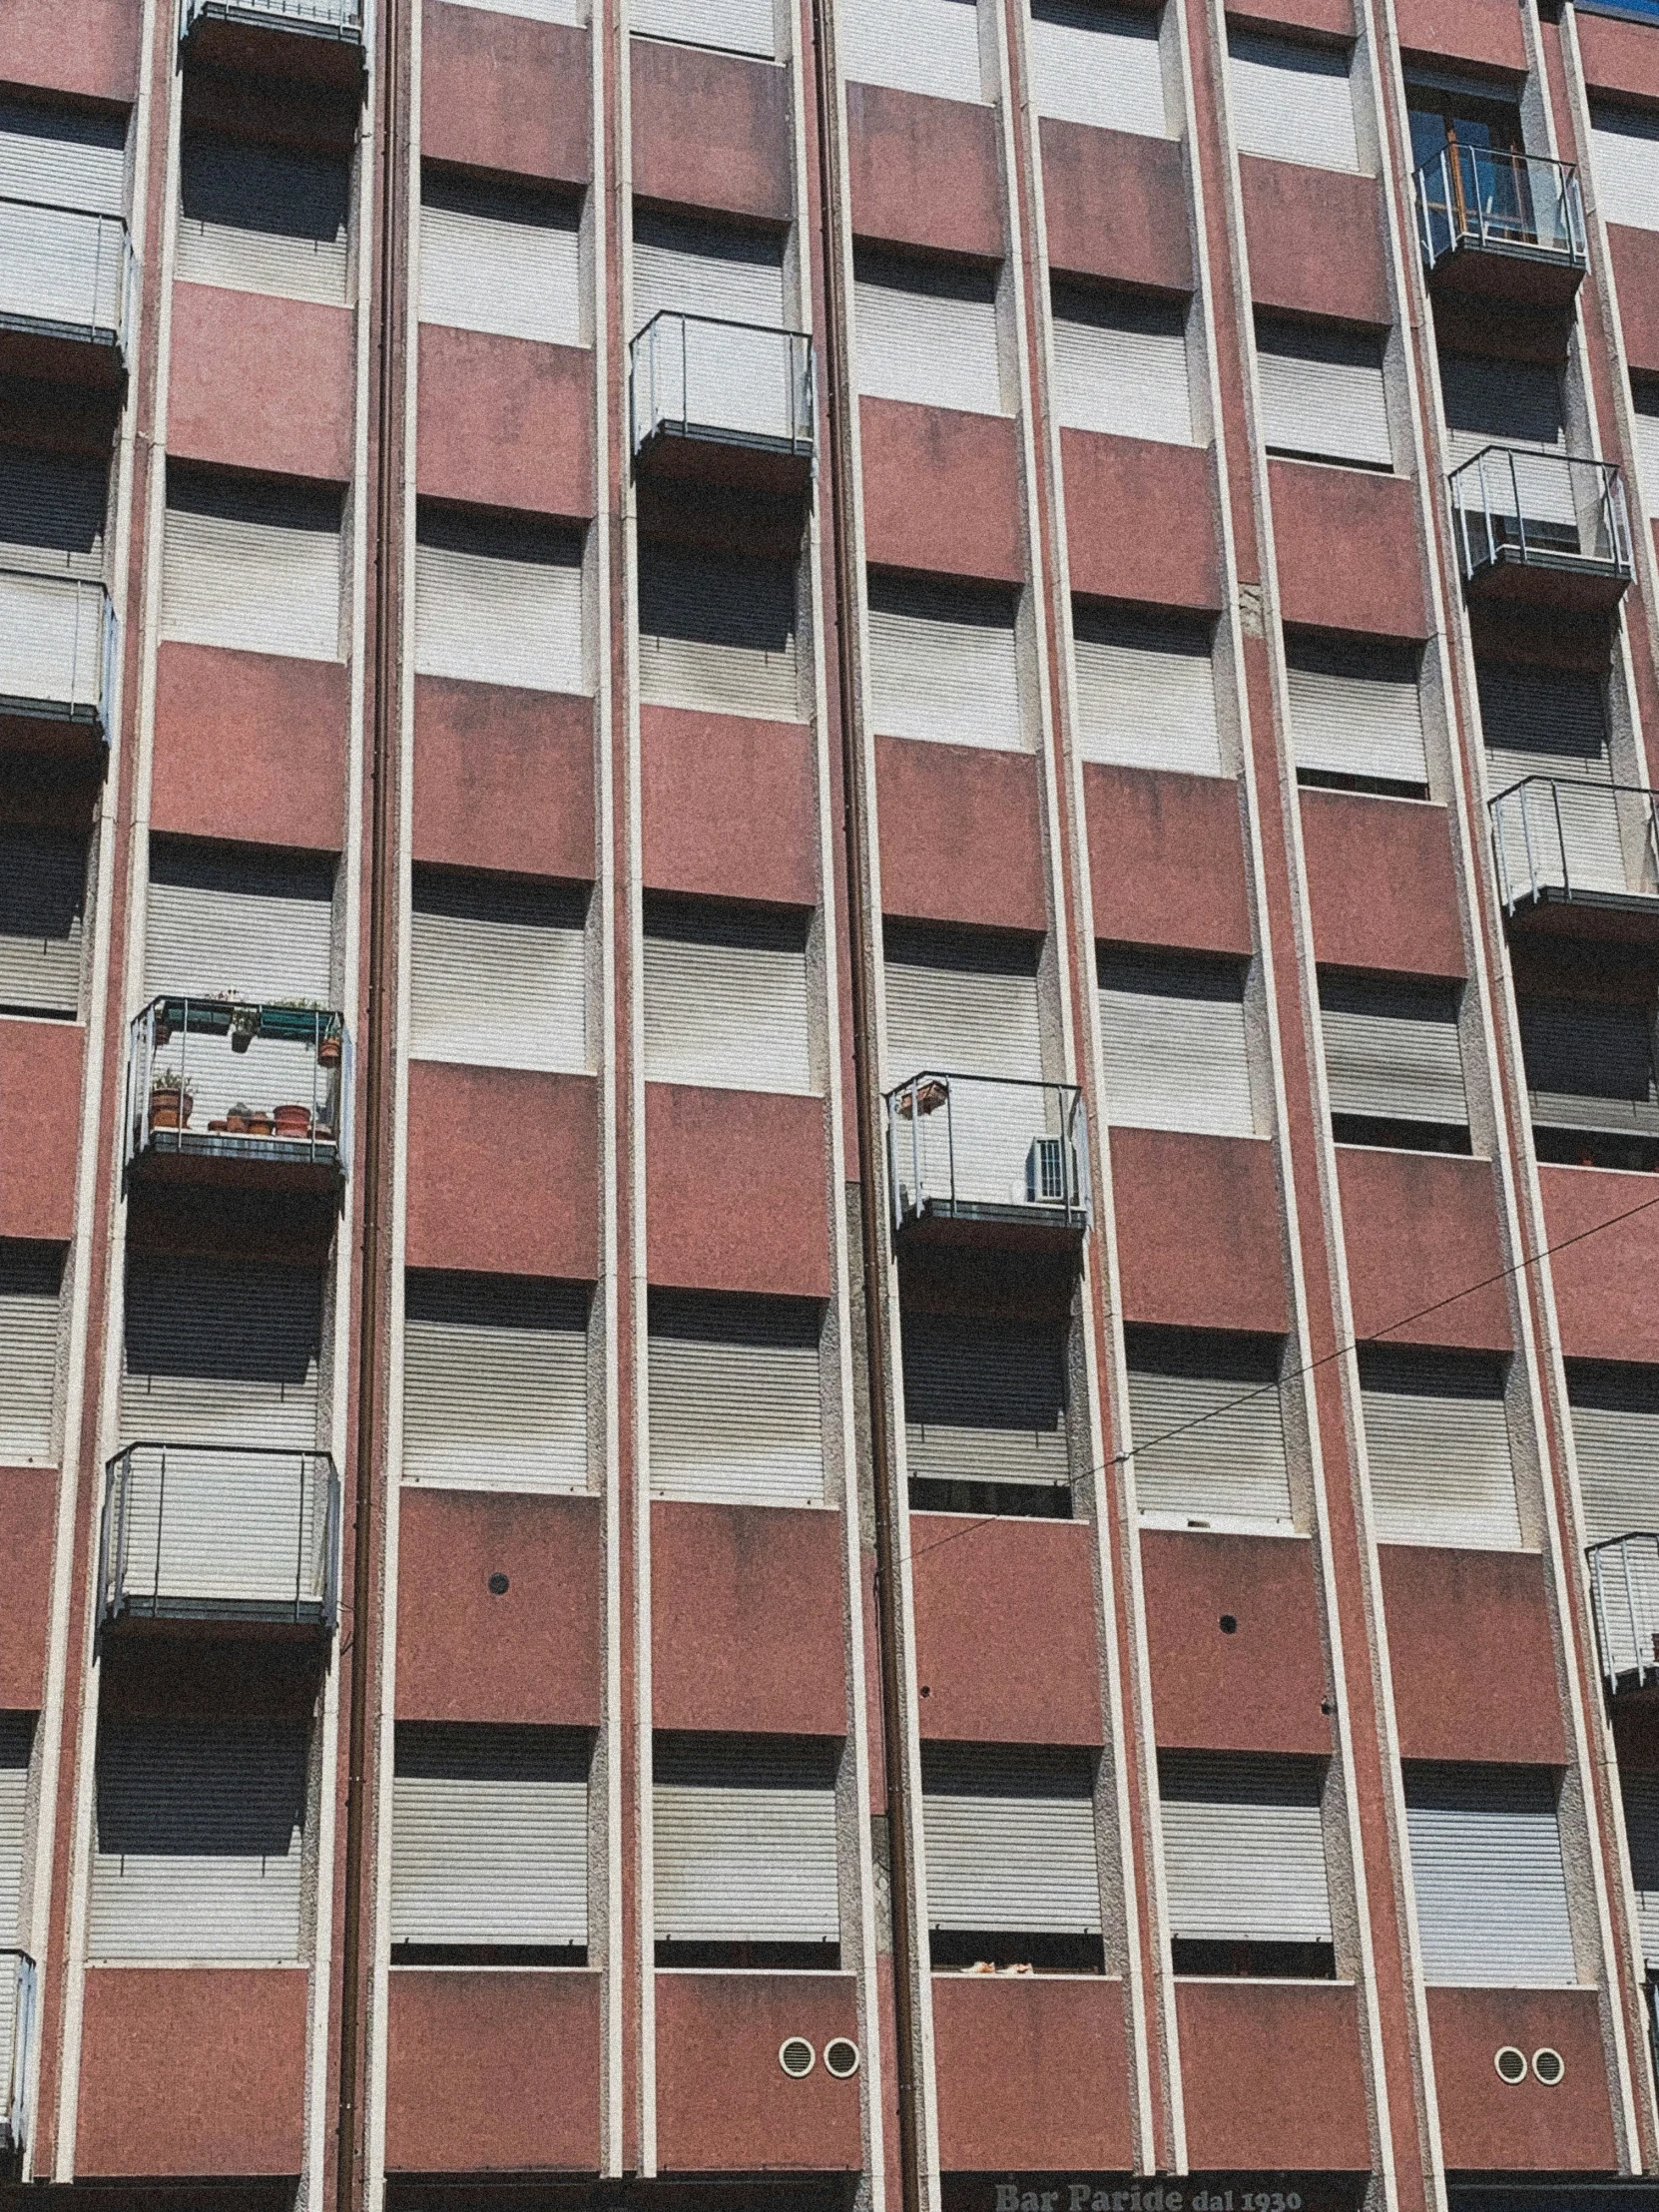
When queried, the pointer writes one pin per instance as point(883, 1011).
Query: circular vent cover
point(798, 2057)
point(840, 2058)
point(1548, 2066)
point(1510, 2064)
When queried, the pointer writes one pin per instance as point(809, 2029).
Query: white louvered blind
point(1644, 402)
point(689, 268)
point(1615, 1430)
point(1120, 364)
point(1640, 1787)
point(497, 971)
point(489, 1836)
point(1624, 162)
point(537, 11)
point(984, 1400)
point(726, 998)
point(1391, 1049)
point(61, 158)
point(737, 1415)
point(251, 563)
point(718, 631)
point(221, 1352)
point(1438, 1441)
point(1322, 391)
point(942, 664)
point(16, 1738)
point(1146, 690)
point(265, 218)
point(1542, 722)
point(1293, 103)
point(1175, 1047)
point(745, 1839)
point(238, 919)
point(52, 508)
point(728, 26)
point(495, 1382)
point(1209, 1430)
point(43, 876)
point(1098, 65)
point(1501, 402)
point(31, 1281)
point(929, 46)
point(1491, 1894)
point(1590, 1066)
point(926, 332)
point(1243, 1849)
point(499, 602)
point(962, 1002)
point(1011, 1840)
point(1356, 711)
point(499, 261)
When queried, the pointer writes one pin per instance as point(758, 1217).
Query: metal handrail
point(1490, 199)
point(1555, 872)
point(239, 1023)
point(343, 17)
point(1056, 1138)
point(19, 1968)
point(113, 244)
point(1500, 526)
point(93, 705)
point(1624, 1592)
point(665, 385)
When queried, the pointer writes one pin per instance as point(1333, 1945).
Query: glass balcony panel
point(1624, 1585)
point(732, 382)
point(1549, 509)
point(981, 1147)
point(63, 270)
point(1569, 837)
point(195, 1531)
point(230, 1080)
point(57, 642)
point(1487, 199)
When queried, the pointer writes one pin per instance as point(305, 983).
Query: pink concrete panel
point(492, 2071)
point(1449, 1614)
point(221, 2092)
point(1198, 1230)
point(1381, 883)
point(260, 382)
point(1421, 1227)
point(40, 1127)
point(746, 1612)
point(1272, 2075)
point(500, 92)
point(86, 47)
point(735, 1192)
point(1116, 206)
point(941, 491)
point(250, 745)
point(1258, 1687)
point(1032, 2072)
point(1487, 32)
point(1485, 2124)
point(1603, 1231)
point(28, 1511)
point(1166, 859)
point(1141, 519)
point(1321, 515)
point(1315, 242)
point(503, 1171)
point(711, 131)
point(729, 2026)
point(1636, 273)
point(961, 835)
point(924, 172)
point(979, 1587)
point(503, 779)
point(505, 422)
point(1617, 57)
point(709, 785)
point(528, 1654)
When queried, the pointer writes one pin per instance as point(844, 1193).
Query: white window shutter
point(1120, 364)
point(238, 920)
point(1624, 161)
point(1174, 1042)
point(1208, 1430)
point(735, 1399)
point(1244, 1848)
point(925, 332)
point(1356, 711)
point(498, 972)
point(927, 46)
point(43, 878)
point(984, 1401)
point(1615, 1429)
point(726, 998)
point(1009, 1837)
point(1146, 690)
point(1391, 1049)
point(489, 1837)
point(503, 262)
point(725, 26)
point(1293, 103)
point(499, 602)
point(495, 1382)
point(250, 564)
point(31, 1280)
point(1322, 396)
point(686, 267)
point(942, 663)
point(745, 1839)
point(718, 631)
point(1487, 1871)
point(1098, 65)
point(1437, 1442)
point(1590, 1066)
point(265, 218)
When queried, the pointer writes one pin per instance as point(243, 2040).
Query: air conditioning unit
point(1046, 1172)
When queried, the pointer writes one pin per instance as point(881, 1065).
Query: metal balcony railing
point(988, 1148)
point(226, 1079)
point(732, 384)
point(1625, 1588)
point(1546, 511)
point(17, 2031)
point(219, 1531)
point(57, 648)
point(1473, 198)
point(1564, 838)
point(64, 273)
point(338, 19)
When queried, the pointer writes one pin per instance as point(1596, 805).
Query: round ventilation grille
point(1510, 2064)
point(840, 2058)
point(1548, 2066)
point(798, 2057)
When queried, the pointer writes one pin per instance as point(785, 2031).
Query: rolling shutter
point(1243, 1849)
point(927, 332)
point(251, 564)
point(60, 157)
point(1391, 1049)
point(199, 1851)
point(1120, 365)
point(726, 998)
point(929, 46)
point(238, 919)
point(728, 26)
point(43, 876)
point(498, 602)
point(942, 664)
point(500, 260)
point(1209, 1430)
point(984, 1400)
point(1491, 1894)
point(1549, 722)
point(495, 1382)
point(1589, 1065)
point(1644, 403)
point(16, 1738)
point(221, 1353)
point(718, 631)
point(1639, 1788)
point(1146, 690)
point(265, 218)
point(1098, 65)
point(737, 1411)
point(1173, 1043)
point(52, 508)
point(1615, 1430)
point(1515, 404)
point(745, 1839)
point(1293, 103)
point(1624, 147)
point(31, 1284)
point(1322, 393)
point(537, 11)
point(688, 267)
point(1011, 1840)
point(497, 972)
point(489, 1836)
point(1437, 1440)
point(1356, 711)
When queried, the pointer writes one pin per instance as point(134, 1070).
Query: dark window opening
point(489, 1954)
point(1251, 1961)
point(1374, 787)
point(777, 1958)
point(958, 1950)
point(1596, 1147)
point(1399, 1136)
point(1024, 1500)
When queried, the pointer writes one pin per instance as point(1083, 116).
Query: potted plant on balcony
point(171, 1099)
point(293, 1121)
point(262, 1122)
point(237, 1118)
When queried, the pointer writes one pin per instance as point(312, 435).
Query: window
point(1174, 1042)
point(1444, 115)
point(1644, 402)
point(1293, 103)
point(1098, 65)
point(61, 170)
point(31, 1282)
point(1013, 1877)
point(1145, 689)
point(1244, 1864)
point(500, 259)
point(1491, 1894)
point(489, 1845)
point(927, 332)
point(221, 1353)
point(985, 1416)
point(537, 11)
point(688, 267)
point(1120, 364)
point(63, 158)
point(1615, 1433)
point(252, 562)
point(963, 1002)
point(16, 1738)
point(746, 1851)
point(1437, 1440)
point(929, 46)
point(1209, 1430)
point(1624, 145)
point(1639, 1788)
point(52, 508)
point(1393, 1062)
point(1590, 1080)
point(43, 878)
point(1516, 405)
point(737, 1413)
point(728, 26)
point(495, 1382)
point(497, 971)
point(726, 996)
point(1355, 714)
point(1322, 393)
point(238, 919)
point(260, 218)
point(718, 631)
point(1541, 721)
point(499, 600)
point(942, 664)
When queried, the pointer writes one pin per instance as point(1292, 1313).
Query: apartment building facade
point(829, 1126)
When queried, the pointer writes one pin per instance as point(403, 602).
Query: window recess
point(1145, 689)
point(735, 1398)
point(1174, 1042)
point(985, 1416)
point(942, 661)
point(1590, 1079)
point(31, 1284)
point(1356, 715)
point(1293, 103)
point(1438, 1441)
point(43, 876)
point(1486, 1871)
point(1013, 1878)
point(261, 218)
point(495, 1382)
point(1120, 364)
point(1098, 65)
point(499, 971)
point(928, 46)
point(252, 562)
point(1322, 393)
point(1393, 1062)
point(925, 332)
point(499, 599)
point(718, 631)
point(744, 1868)
point(1244, 1864)
point(726, 996)
point(1208, 1430)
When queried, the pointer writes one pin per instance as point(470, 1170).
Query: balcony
point(726, 402)
point(1568, 842)
point(318, 40)
point(1543, 529)
point(17, 2027)
point(65, 286)
point(1624, 1589)
point(57, 661)
point(971, 1154)
point(220, 1090)
point(1501, 226)
point(220, 1533)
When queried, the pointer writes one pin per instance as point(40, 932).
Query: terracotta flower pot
point(170, 1109)
point(293, 1121)
point(237, 1124)
point(262, 1125)
point(328, 1053)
